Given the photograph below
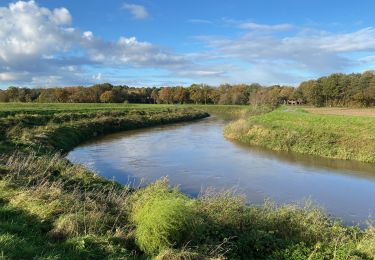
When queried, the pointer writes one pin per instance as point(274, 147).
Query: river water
point(196, 156)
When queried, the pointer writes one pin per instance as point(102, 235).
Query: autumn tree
point(214, 95)
point(196, 94)
point(3, 96)
point(155, 96)
point(108, 96)
point(166, 95)
point(180, 95)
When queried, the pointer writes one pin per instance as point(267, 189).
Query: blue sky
point(165, 42)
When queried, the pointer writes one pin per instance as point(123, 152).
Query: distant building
point(293, 102)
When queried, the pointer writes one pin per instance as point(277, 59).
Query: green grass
point(60, 127)
point(51, 209)
point(162, 216)
point(232, 112)
point(290, 129)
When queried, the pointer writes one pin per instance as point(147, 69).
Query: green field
point(51, 209)
point(293, 129)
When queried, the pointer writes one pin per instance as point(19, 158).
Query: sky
point(167, 42)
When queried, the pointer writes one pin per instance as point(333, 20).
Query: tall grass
point(287, 129)
point(68, 202)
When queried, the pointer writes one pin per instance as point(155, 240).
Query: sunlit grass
point(290, 129)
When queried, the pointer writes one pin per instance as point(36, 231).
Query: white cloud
point(39, 44)
point(28, 31)
point(62, 16)
point(131, 52)
point(138, 11)
point(306, 53)
point(266, 27)
point(97, 76)
point(7, 76)
point(88, 35)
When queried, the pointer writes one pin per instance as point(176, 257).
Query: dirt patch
point(369, 112)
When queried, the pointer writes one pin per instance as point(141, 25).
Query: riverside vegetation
point(52, 209)
point(295, 129)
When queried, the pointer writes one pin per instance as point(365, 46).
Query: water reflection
point(196, 156)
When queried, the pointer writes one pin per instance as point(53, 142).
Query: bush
point(367, 244)
point(162, 217)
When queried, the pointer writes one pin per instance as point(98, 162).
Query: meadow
point(52, 209)
point(332, 133)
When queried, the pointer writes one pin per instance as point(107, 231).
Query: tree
point(79, 95)
point(155, 96)
point(286, 93)
point(330, 88)
point(3, 96)
point(108, 96)
point(369, 93)
point(166, 95)
point(364, 83)
point(97, 90)
point(214, 95)
point(196, 94)
point(180, 95)
point(311, 92)
point(60, 95)
point(13, 94)
point(46, 96)
point(239, 98)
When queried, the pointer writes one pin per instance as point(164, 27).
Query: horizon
point(144, 44)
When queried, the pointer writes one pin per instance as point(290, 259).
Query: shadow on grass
point(23, 236)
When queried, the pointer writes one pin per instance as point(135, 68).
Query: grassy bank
point(291, 129)
point(232, 112)
point(60, 127)
point(51, 209)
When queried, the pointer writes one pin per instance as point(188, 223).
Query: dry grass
point(368, 112)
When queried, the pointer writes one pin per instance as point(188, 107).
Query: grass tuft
point(162, 217)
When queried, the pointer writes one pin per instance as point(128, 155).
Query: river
point(196, 156)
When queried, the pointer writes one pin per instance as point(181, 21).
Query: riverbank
point(233, 112)
point(60, 127)
point(345, 137)
point(50, 208)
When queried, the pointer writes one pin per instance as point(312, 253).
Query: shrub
point(367, 244)
point(162, 217)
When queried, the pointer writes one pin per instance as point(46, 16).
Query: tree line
point(356, 89)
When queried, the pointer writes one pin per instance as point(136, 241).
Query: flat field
point(369, 112)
